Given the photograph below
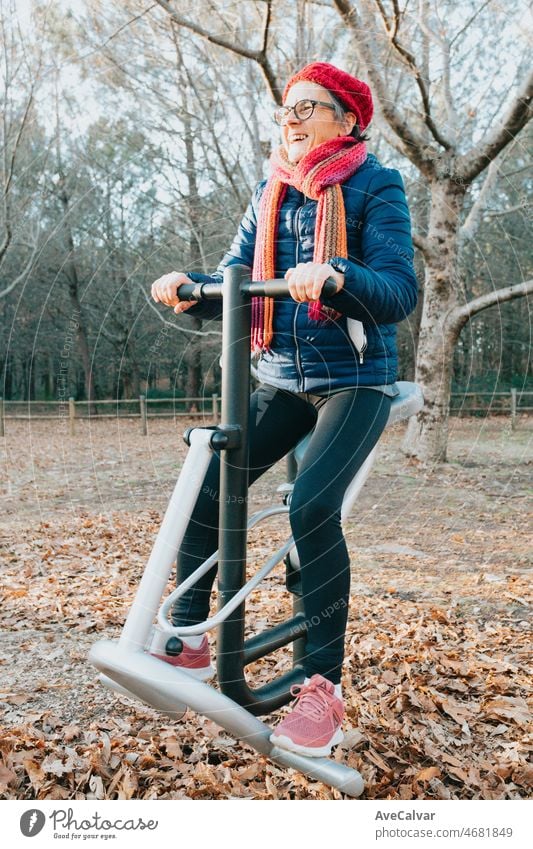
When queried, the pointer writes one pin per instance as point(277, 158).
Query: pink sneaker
point(196, 662)
point(314, 724)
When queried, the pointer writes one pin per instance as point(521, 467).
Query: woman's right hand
point(165, 289)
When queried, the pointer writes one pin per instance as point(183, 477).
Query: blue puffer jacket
point(380, 286)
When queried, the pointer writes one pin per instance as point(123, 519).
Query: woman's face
point(299, 137)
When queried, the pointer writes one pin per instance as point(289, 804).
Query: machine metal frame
point(126, 665)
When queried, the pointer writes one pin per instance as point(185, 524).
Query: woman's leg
point(278, 420)
point(349, 425)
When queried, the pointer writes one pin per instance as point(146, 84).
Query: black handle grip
point(199, 291)
point(253, 288)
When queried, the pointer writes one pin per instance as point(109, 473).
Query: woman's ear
point(350, 120)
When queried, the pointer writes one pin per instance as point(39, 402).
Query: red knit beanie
point(354, 94)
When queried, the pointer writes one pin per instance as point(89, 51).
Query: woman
point(328, 210)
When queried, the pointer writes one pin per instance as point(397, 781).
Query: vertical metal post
point(142, 404)
point(233, 474)
point(161, 562)
point(214, 400)
point(233, 501)
point(71, 414)
point(513, 409)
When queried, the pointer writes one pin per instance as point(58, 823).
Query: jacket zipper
point(295, 320)
point(362, 351)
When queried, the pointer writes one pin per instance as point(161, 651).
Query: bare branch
point(20, 132)
point(459, 316)
point(115, 338)
point(423, 244)
point(469, 22)
point(383, 14)
point(473, 219)
point(179, 327)
point(258, 56)
point(410, 60)
point(227, 167)
point(430, 33)
point(472, 163)
point(516, 171)
point(23, 274)
point(9, 169)
point(113, 35)
point(498, 213)
point(266, 28)
point(8, 235)
point(413, 145)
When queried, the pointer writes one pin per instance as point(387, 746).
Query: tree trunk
point(83, 347)
point(130, 378)
point(48, 378)
point(76, 318)
point(427, 434)
point(8, 378)
point(193, 359)
point(31, 379)
point(193, 351)
point(135, 380)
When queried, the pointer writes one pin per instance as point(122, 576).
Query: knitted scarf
point(318, 175)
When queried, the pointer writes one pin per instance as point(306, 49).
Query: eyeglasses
point(302, 110)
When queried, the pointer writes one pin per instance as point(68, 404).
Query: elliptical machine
point(126, 666)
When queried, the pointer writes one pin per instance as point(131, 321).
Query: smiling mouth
point(297, 138)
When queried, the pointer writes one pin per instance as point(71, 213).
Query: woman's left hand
point(307, 279)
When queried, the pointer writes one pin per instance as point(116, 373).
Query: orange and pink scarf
point(318, 175)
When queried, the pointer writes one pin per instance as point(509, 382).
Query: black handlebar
point(252, 288)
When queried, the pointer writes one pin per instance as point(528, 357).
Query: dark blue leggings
point(347, 426)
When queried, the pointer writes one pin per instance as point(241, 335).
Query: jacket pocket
point(357, 334)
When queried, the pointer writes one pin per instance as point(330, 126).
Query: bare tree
point(20, 77)
point(433, 145)
point(73, 276)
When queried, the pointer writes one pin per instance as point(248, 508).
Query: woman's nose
point(292, 119)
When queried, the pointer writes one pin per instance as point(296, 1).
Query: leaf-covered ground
point(436, 680)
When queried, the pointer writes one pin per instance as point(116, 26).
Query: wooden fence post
point(144, 426)
point(2, 429)
point(71, 414)
point(513, 409)
point(214, 398)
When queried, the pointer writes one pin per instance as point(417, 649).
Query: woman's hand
point(307, 279)
point(165, 290)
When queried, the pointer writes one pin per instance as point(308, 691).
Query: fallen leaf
point(15, 698)
point(35, 773)
point(97, 787)
point(129, 784)
point(523, 775)
point(249, 772)
point(54, 766)
point(270, 786)
point(428, 773)
point(508, 707)
point(7, 776)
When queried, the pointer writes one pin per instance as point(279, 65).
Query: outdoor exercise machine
point(126, 665)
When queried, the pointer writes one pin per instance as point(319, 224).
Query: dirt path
point(435, 676)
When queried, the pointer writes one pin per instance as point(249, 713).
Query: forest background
point(134, 133)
